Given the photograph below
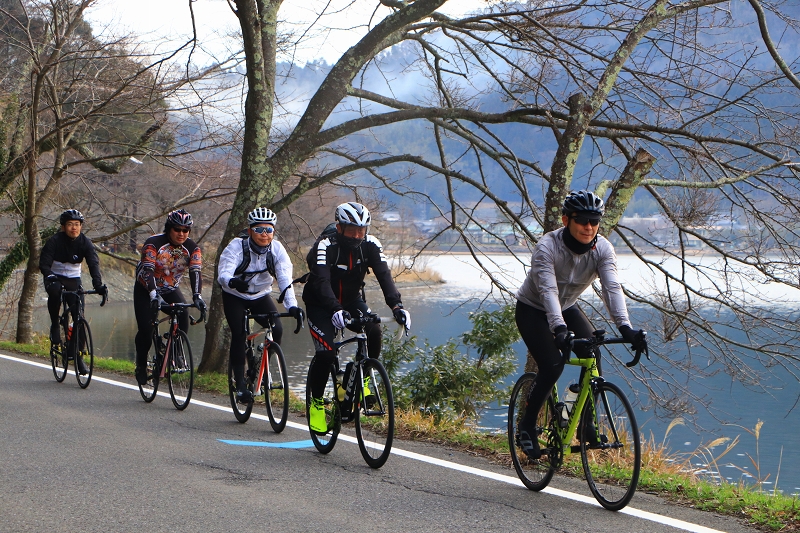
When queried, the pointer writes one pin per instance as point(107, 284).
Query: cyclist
point(165, 259)
point(247, 267)
point(338, 262)
point(60, 264)
point(565, 262)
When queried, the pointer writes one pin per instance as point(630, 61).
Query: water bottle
point(570, 395)
point(69, 331)
point(340, 385)
point(563, 419)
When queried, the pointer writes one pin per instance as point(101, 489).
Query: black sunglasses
point(582, 221)
point(180, 230)
point(263, 229)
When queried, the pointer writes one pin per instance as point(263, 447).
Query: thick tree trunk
point(25, 308)
point(215, 349)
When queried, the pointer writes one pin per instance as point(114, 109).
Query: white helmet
point(261, 215)
point(353, 214)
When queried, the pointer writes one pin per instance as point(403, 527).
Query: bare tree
point(676, 105)
point(73, 104)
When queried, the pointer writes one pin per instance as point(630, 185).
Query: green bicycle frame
point(567, 434)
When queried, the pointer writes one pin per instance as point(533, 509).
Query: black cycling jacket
point(337, 273)
point(62, 256)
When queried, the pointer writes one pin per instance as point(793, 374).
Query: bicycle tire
point(276, 387)
point(611, 467)
point(82, 337)
point(180, 371)
point(59, 361)
point(375, 413)
point(333, 416)
point(149, 389)
point(535, 474)
point(242, 411)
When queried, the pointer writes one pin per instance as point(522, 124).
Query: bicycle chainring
point(555, 448)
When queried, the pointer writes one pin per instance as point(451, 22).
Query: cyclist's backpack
point(329, 231)
point(240, 270)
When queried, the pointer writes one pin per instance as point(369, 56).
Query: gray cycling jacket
point(557, 278)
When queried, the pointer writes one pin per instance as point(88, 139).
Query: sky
point(156, 20)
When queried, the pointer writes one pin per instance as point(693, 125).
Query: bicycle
point(265, 373)
point(78, 338)
point(607, 433)
point(372, 411)
point(171, 359)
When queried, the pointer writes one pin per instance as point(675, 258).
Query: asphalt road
point(102, 460)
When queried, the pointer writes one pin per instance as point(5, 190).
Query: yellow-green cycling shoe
point(367, 395)
point(316, 416)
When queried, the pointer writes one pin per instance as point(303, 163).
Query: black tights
point(535, 330)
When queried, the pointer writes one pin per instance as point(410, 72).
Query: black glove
point(200, 304)
point(238, 284)
point(49, 280)
point(340, 318)
point(402, 317)
point(635, 337)
point(563, 337)
point(102, 290)
point(296, 313)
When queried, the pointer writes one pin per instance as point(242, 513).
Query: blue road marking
point(297, 444)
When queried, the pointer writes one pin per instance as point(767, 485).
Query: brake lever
point(300, 324)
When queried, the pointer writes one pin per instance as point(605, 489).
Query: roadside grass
point(664, 473)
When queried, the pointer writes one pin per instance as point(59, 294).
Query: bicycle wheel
point(59, 360)
point(333, 416)
point(276, 388)
point(534, 473)
point(610, 447)
point(242, 410)
point(180, 371)
point(150, 388)
point(375, 420)
point(84, 350)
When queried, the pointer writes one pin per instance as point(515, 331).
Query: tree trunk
point(215, 349)
point(28, 297)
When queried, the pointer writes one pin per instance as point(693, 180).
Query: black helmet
point(71, 214)
point(179, 217)
point(583, 201)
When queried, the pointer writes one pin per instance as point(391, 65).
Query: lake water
point(440, 312)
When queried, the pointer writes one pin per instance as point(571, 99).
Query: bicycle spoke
point(375, 418)
point(324, 443)
point(180, 371)
point(610, 447)
point(84, 351)
point(534, 473)
point(276, 388)
point(59, 361)
point(242, 411)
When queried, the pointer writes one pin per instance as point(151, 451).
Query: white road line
point(645, 515)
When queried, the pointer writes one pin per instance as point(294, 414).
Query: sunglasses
point(582, 221)
point(261, 230)
point(180, 230)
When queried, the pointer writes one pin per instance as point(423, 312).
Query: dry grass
point(416, 274)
